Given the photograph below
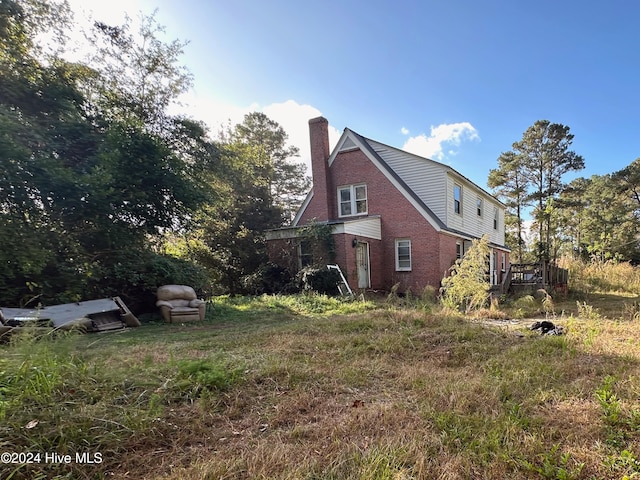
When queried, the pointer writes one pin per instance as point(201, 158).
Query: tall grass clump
point(53, 400)
point(602, 276)
point(305, 304)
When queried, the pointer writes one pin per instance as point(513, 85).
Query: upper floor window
point(403, 255)
point(457, 198)
point(495, 218)
point(352, 200)
point(479, 206)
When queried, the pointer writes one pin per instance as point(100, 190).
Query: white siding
point(425, 177)
point(369, 228)
point(433, 183)
point(468, 221)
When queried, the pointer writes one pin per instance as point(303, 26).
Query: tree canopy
point(96, 173)
point(586, 217)
point(532, 174)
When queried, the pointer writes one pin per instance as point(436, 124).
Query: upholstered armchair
point(179, 303)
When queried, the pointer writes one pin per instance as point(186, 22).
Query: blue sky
point(457, 81)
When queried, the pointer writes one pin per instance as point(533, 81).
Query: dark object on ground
point(547, 328)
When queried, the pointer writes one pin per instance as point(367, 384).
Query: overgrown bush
point(269, 279)
point(321, 280)
point(602, 276)
point(135, 277)
point(525, 306)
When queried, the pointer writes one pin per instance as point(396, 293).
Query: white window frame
point(353, 201)
point(479, 206)
point(496, 218)
point(459, 250)
point(403, 243)
point(457, 198)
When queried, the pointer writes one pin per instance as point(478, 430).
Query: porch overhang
point(364, 227)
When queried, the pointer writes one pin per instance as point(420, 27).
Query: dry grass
point(390, 393)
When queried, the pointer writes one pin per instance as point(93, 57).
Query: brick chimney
point(319, 135)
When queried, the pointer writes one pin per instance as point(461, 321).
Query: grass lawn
point(309, 387)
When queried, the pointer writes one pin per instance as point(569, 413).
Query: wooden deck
point(532, 276)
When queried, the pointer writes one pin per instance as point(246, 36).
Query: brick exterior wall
point(432, 253)
point(322, 185)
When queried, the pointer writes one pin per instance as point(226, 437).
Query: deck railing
point(535, 275)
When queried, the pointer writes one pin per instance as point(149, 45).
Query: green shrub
point(269, 279)
point(135, 276)
point(321, 280)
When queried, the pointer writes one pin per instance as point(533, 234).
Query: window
point(457, 198)
point(479, 207)
point(495, 218)
point(352, 200)
point(305, 254)
point(458, 250)
point(403, 255)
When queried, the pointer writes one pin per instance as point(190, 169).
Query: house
point(395, 217)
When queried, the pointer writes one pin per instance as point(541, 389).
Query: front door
point(362, 261)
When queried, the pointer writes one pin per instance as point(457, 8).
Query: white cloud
point(404, 131)
point(440, 137)
point(292, 117)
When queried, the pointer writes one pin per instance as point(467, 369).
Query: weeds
point(609, 402)
point(602, 276)
point(196, 378)
point(548, 305)
point(631, 311)
point(276, 387)
point(587, 311)
point(556, 465)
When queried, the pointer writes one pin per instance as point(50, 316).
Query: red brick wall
point(432, 253)
point(399, 219)
point(319, 140)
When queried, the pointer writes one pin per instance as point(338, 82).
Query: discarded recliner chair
point(179, 303)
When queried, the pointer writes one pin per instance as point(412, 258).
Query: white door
point(494, 267)
point(362, 261)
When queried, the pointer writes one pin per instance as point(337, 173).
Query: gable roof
point(363, 143)
point(351, 140)
point(406, 157)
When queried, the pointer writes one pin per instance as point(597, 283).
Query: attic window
point(479, 205)
point(352, 200)
point(495, 218)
